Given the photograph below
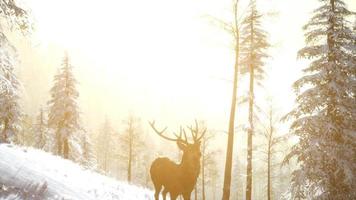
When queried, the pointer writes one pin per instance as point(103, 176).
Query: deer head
point(178, 179)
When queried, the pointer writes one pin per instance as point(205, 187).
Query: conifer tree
point(104, 146)
point(13, 18)
point(9, 92)
point(40, 130)
point(133, 146)
point(253, 54)
point(325, 116)
point(25, 136)
point(63, 116)
point(83, 150)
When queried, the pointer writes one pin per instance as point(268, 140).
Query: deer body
point(177, 179)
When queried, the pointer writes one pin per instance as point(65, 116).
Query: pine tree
point(63, 116)
point(325, 116)
point(13, 17)
point(104, 146)
point(132, 145)
point(9, 92)
point(253, 54)
point(40, 131)
point(84, 151)
point(25, 136)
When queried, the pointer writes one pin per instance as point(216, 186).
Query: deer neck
point(190, 171)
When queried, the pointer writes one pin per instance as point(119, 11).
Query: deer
point(178, 179)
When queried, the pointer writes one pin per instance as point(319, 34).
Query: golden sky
point(157, 59)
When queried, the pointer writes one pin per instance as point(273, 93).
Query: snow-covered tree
point(41, 139)
point(12, 17)
point(325, 116)
point(9, 92)
point(82, 150)
point(253, 54)
point(25, 136)
point(63, 116)
point(133, 146)
point(105, 146)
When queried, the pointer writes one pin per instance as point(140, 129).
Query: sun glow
point(162, 59)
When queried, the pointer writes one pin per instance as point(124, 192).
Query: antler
point(177, 137)
point(195, 132)
point(182, 132)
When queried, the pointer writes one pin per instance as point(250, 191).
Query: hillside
point(27, 173)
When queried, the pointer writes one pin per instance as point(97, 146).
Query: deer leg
point(157, 191)
point(173, 196)
point(164, 193)
point(186, 196)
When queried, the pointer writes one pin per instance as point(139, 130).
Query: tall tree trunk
point(249, 141)
point(65, 148)
point(331, 58)
point(129, 169)
point(41, 129)
point(105, 160)
point(59, 144)
point(250, 118)
point(4, 134)
point(269, 155)
point(269, 175)
point(195, 193)
point(330, 35)
point(39, 143)
point(230, 140)
point(203, 171)
point(130, 156)
point(214, 187)
point(118, 174)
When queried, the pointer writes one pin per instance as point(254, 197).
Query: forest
point(189, 99)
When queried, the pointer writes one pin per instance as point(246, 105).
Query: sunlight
point(165, 53)
point(144, 99)
point(146, 57)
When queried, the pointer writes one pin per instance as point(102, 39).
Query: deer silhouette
point(178, 179)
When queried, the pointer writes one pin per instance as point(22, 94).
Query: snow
point(326, 108)
point(27, 169)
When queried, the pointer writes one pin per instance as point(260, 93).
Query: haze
point(159, 59)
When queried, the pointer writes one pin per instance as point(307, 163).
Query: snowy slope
point(27, 173)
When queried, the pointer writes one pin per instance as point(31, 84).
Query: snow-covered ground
point(27, 173)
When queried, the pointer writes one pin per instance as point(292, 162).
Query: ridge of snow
point(60, 179)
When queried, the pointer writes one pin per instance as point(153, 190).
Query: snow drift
point(27, 173)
